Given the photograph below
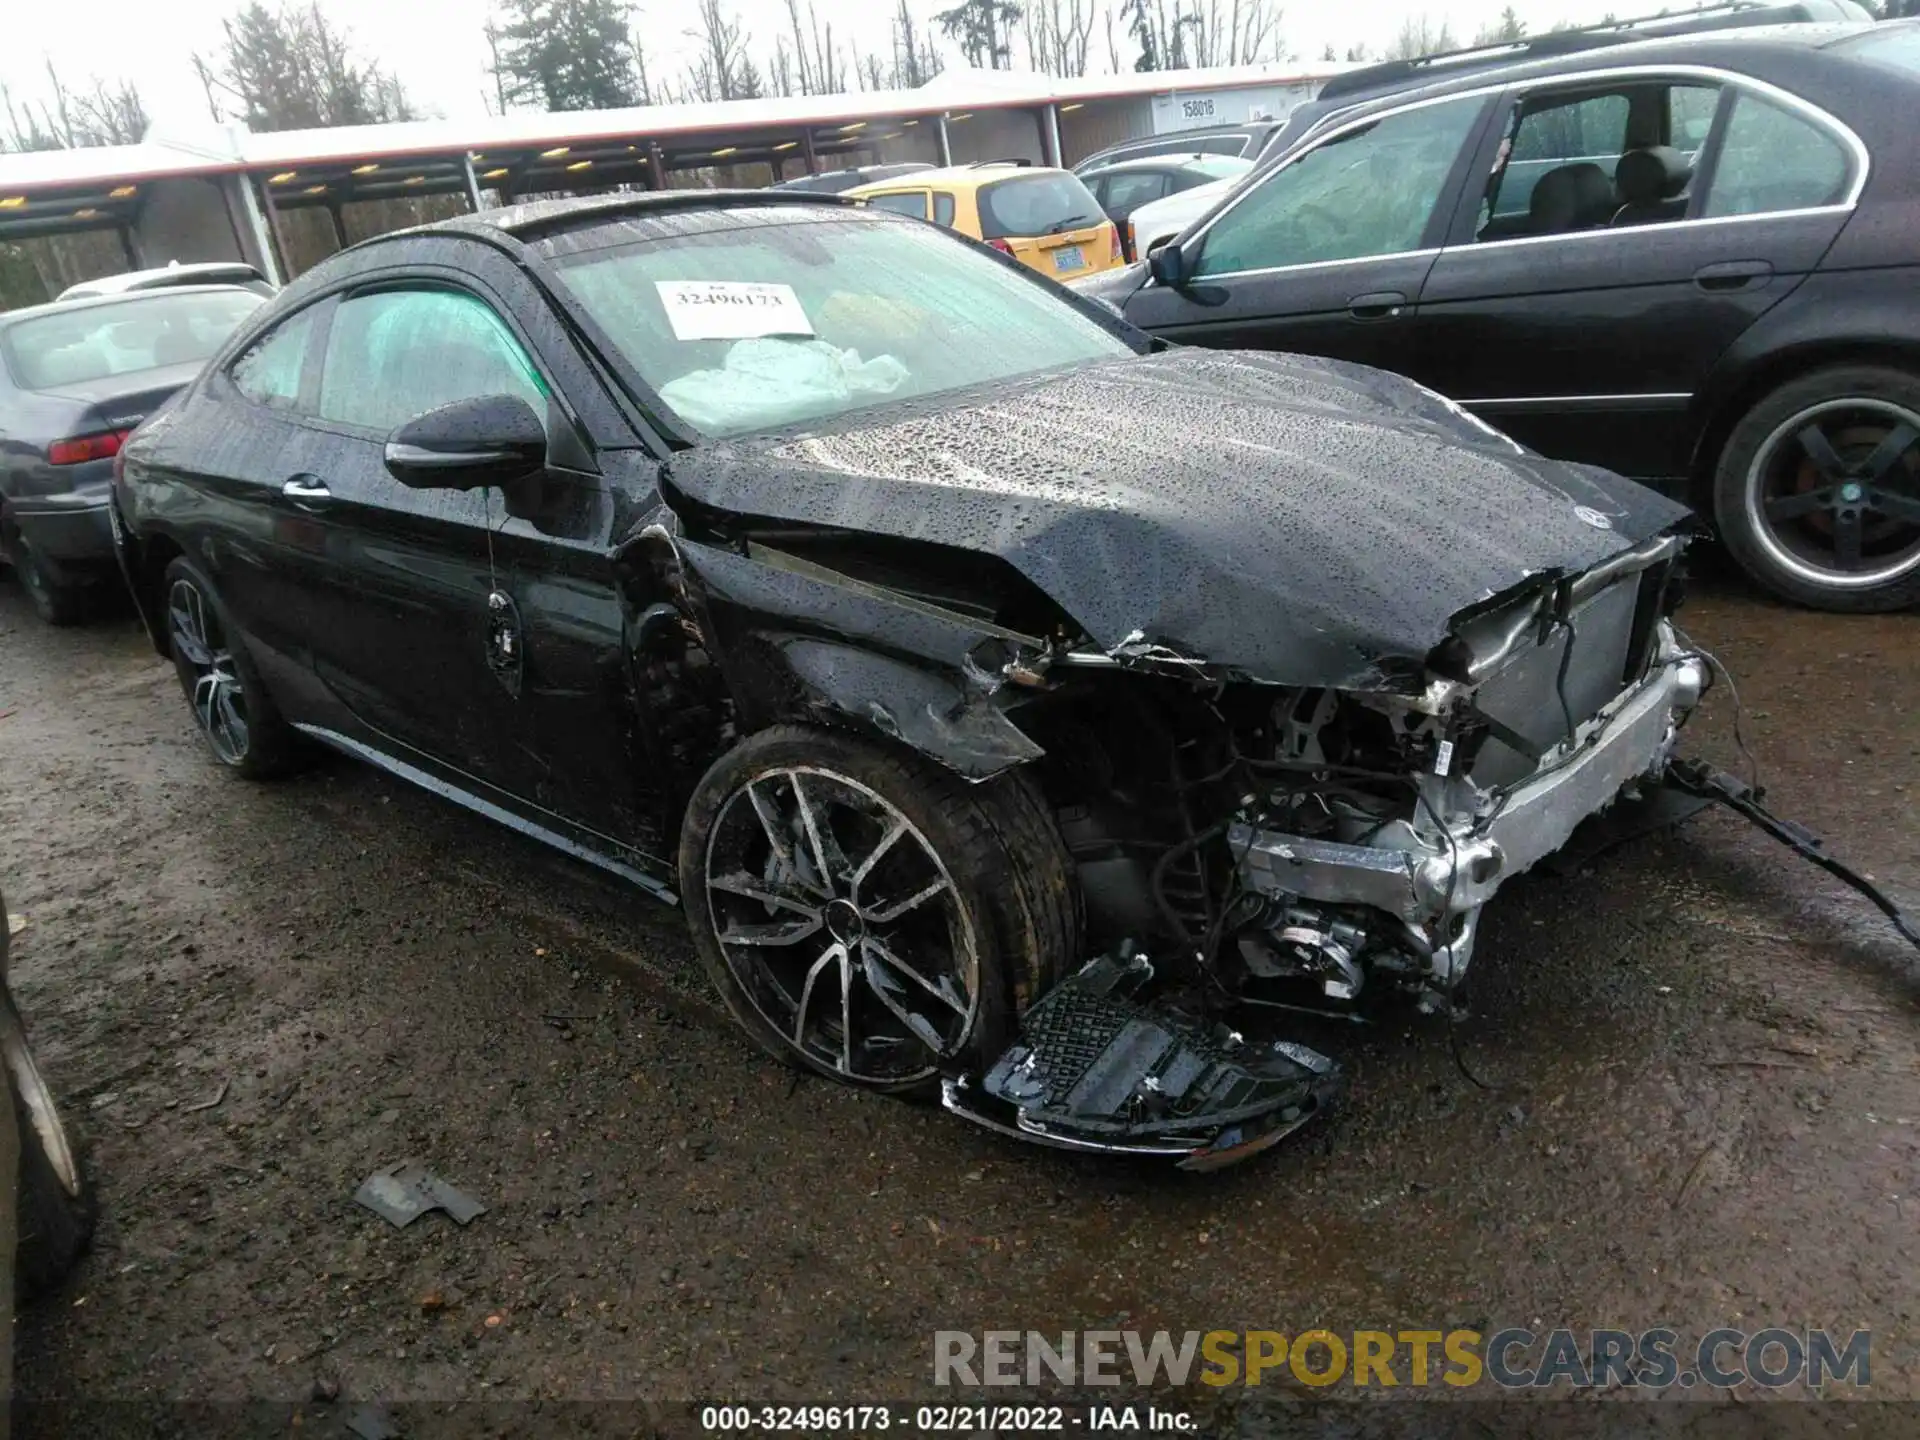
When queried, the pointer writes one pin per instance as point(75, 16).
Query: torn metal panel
point(966, 732)
point(1294, 519)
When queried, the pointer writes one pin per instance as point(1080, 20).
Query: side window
point(393, 353)
point(1371, 191)
point(943, 209)
point(911, 202)
point(1772, 159)
point(1580, 139)
point(1690, 116)
point(268, 372)
point(1126, 193)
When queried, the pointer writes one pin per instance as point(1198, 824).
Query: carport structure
point(282, 200)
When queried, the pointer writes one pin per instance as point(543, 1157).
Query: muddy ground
point(1705, 1058)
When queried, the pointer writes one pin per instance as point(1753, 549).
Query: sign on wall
point(1191, 109)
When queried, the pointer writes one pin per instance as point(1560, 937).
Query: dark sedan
point(1694, 261)
point(944, 645)
point(75, 378)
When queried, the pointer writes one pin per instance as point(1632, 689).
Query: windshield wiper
point(1072, 222)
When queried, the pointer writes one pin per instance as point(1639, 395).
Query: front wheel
point(867, 915)
point(1817, 492)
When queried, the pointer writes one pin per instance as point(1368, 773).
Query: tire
point(1813, 505)
point(55, 600)
point(56, 1205)
point(984, 859)
point(229, 703)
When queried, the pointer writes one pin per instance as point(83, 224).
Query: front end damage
point(1300, 688)
point(1246, 850)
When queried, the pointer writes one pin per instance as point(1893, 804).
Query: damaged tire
point(868, 915)
point(230, 705)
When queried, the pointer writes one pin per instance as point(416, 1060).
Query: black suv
point(1690, 260)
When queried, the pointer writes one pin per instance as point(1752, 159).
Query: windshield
point(1895, 45)
point(766, 324)
point(1042, 204)
point(142, 332)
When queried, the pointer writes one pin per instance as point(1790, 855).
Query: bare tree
point(105, 113)
point(721, 70)
point(1229, 32)
point(1058, 34)
point(1419, 36)
point(983, 29)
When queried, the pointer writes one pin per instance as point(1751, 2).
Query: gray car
point(75, 378)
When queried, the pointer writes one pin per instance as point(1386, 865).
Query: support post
point(259, 230)
point(1050, 133)
point(806, 148)
point(946, 149)
point(473, 181)
point(339, 223)
point(656, 167)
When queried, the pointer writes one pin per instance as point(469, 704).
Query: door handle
point(1732, 274)
point(1377, 305)
point(309, 489)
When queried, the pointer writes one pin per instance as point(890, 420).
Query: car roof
point(128, 297)
point(168, 276)
point(1757, 51)
point(957, 177)
point(1156, 162)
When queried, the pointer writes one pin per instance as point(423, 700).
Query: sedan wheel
point(207, 671)
point(230, 705)
point(868, 915)
point(842, 925)
point(1819, 492)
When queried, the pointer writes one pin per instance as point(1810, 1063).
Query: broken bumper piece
point(1096, 1070)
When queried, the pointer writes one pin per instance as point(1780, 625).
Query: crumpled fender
point(798, 644)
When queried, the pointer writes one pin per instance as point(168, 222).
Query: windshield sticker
point(731, 309)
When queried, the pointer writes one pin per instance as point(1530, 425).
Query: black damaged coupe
point(1020, 708)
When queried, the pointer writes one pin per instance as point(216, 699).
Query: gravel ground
point(1704, 1054)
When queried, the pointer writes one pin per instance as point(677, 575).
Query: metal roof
point(954, 93)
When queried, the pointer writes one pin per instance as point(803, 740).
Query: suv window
point(1774, 160)
point(1043, 203)
point(1370, 191)
point(268, 372)
point(395, 353)
point(1131, 189)
point(943, 209)
point(910, 202)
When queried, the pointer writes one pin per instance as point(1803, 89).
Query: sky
point(437, 49)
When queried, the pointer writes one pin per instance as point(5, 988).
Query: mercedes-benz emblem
point(1593, 517)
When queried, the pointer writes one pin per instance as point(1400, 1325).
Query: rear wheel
point(868, 915)
point(229, 703)
point(55, 598)
point(1817, 493)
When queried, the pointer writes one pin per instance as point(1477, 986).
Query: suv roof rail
point(1010, 160)
point(1727, 15)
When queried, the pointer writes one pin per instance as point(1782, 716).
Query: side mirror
point(488, 440)
point(1168, 265)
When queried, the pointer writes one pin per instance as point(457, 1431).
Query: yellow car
point(1046, 219)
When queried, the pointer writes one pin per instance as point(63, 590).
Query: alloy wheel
point(207, 667)
point(1833, 494)
point(842, 925)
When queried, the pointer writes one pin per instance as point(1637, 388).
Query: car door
point(226, 453)
point(1585, 334)
point(1326, 253)
point(405, 627)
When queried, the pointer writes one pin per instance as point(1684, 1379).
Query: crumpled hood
point(1303, 521)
